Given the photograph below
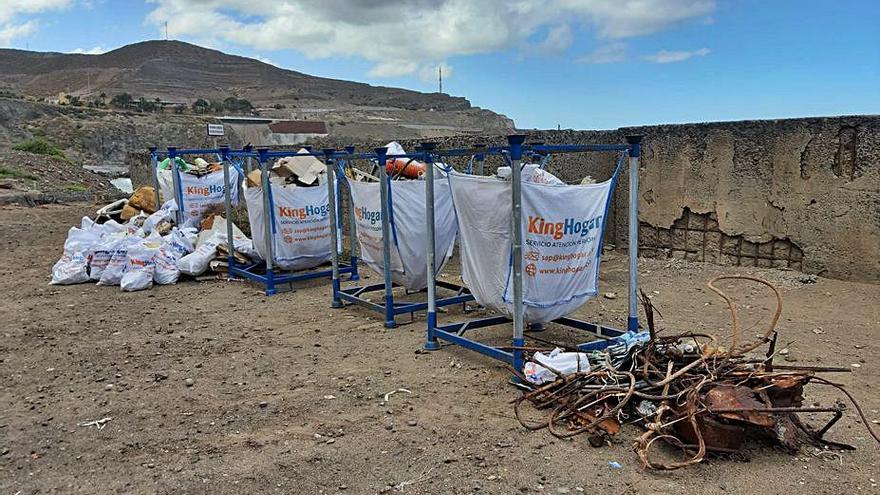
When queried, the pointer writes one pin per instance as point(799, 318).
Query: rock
point(144, 198)
point(609, 295)
point(264, 404)
point(189, 382)
point(807, 279)
point(412, 422)
point(108, 387)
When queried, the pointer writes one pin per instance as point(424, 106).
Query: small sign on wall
point(215, 129)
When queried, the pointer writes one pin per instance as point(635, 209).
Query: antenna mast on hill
point(440, 73)
point(166, 30)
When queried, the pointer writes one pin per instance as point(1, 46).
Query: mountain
point(182, 72)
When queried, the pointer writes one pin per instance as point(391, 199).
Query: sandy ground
point(287, 394)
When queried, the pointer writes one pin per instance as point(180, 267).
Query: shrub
point(40, 146)
point(8, 173)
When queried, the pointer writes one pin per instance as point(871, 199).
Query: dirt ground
point(286, 394)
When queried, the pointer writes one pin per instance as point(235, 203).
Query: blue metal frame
point(390, 308)
point(261, 272)
point(455, 332)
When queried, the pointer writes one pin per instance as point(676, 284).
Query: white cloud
point(558, 39)
point(12, 28)
point(11, 8)
point(667, 57)
point(406, 37)
point(97, 50)
point(606, 54)
point(9, 32)
point(430, 73)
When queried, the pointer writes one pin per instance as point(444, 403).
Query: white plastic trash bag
point(562, 231)
point(73, 266)
point(197, 262)
point(543, 367)
point(301, 238)
point(115, 269)
point(175, 246)
point(166, 212)
point(103, 253)
point(408, 231)
point(199, 193)
point(140, 265)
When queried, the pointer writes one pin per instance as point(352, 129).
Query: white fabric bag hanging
point(199, 193)
point(408, 231)
point(302, 225)
point(562, 229)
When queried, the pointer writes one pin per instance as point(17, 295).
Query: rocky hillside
point(181, 72)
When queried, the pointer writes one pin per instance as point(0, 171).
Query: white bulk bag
point(301, 237)
point(199, 192)
point(408, 231)
point(562, 232)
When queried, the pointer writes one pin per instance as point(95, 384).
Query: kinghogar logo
point(567, 227)
point(304, 212)
point(204, 190)
point(369, 216)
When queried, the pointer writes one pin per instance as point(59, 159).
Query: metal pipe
point(515, 141)
point(480, 157)
point(154, 175)
point(249, 166)
point(334, 224)
point(352, 226)
point(632, 322)
point(227, 200)
point(175, 183)
point(384, 184)
point(268, 220)
point(431, 341)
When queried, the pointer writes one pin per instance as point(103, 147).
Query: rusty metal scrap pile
point(692, 392)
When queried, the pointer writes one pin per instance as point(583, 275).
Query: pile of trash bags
point(145, 249)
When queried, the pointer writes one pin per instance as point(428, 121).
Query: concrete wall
point(796, 193)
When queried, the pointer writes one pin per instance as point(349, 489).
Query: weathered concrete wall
point(798, 193)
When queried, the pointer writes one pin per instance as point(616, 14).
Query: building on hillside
point(261, 131)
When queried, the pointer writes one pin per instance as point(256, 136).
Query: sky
point(582, 64)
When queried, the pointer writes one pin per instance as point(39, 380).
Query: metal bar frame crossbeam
point(455, 332)
point(389, 307)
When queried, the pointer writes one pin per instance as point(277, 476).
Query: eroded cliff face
point(801, 193)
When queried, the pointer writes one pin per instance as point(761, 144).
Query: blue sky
point(584, 64)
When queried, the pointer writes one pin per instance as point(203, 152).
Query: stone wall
point(797, 193)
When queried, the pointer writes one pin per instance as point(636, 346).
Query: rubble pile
point(693, 392)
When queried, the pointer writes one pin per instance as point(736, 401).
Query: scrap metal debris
point(694, 392)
